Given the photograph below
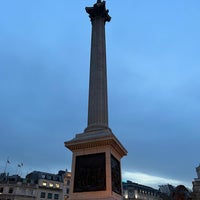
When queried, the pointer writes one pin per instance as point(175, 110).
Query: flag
point(8, 161)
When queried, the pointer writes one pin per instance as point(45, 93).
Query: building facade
point(133, 190)
point(166, 191)
point(15, 188)
point(37, 185)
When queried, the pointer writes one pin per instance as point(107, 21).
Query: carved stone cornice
point(92, 140)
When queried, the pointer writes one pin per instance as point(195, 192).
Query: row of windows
point(5, 199)
point(139, 191)
point(50, 184)
point(9, 191)
point(147, 192)
point(49, 195)
point(23, 190)
point(49, 177)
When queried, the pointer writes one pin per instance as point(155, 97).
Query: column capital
point(98, 10)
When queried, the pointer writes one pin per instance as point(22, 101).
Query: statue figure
point(98, 9)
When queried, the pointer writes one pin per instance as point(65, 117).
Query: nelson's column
point(96, 166)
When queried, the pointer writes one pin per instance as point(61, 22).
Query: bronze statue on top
point(98, 10)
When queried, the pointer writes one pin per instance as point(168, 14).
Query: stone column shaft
point(98, 100)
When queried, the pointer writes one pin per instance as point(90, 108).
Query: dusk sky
point(153, 64)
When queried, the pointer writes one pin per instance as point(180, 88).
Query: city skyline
point(153, 66)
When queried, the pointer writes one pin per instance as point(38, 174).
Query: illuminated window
point(57, 185)
point(44, 184)
point(126, 194)
point(50, 184)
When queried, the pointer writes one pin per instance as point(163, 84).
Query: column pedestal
point(96, 168)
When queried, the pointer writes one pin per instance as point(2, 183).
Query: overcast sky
point(153, 68)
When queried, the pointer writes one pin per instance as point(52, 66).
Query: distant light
point(57, 185)
point(126, 194)
point(50, 184)
point(44, 183)
point(136, 194)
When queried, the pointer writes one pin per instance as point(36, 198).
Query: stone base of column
point(97, 128)
point(95, 196)
point(96, 166)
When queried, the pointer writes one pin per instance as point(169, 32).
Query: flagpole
point(5, 167)
point(7, 162)
point(22, 164)
point(19, 171)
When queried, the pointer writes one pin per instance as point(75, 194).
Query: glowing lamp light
point(44, 184)
point(50, 184)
